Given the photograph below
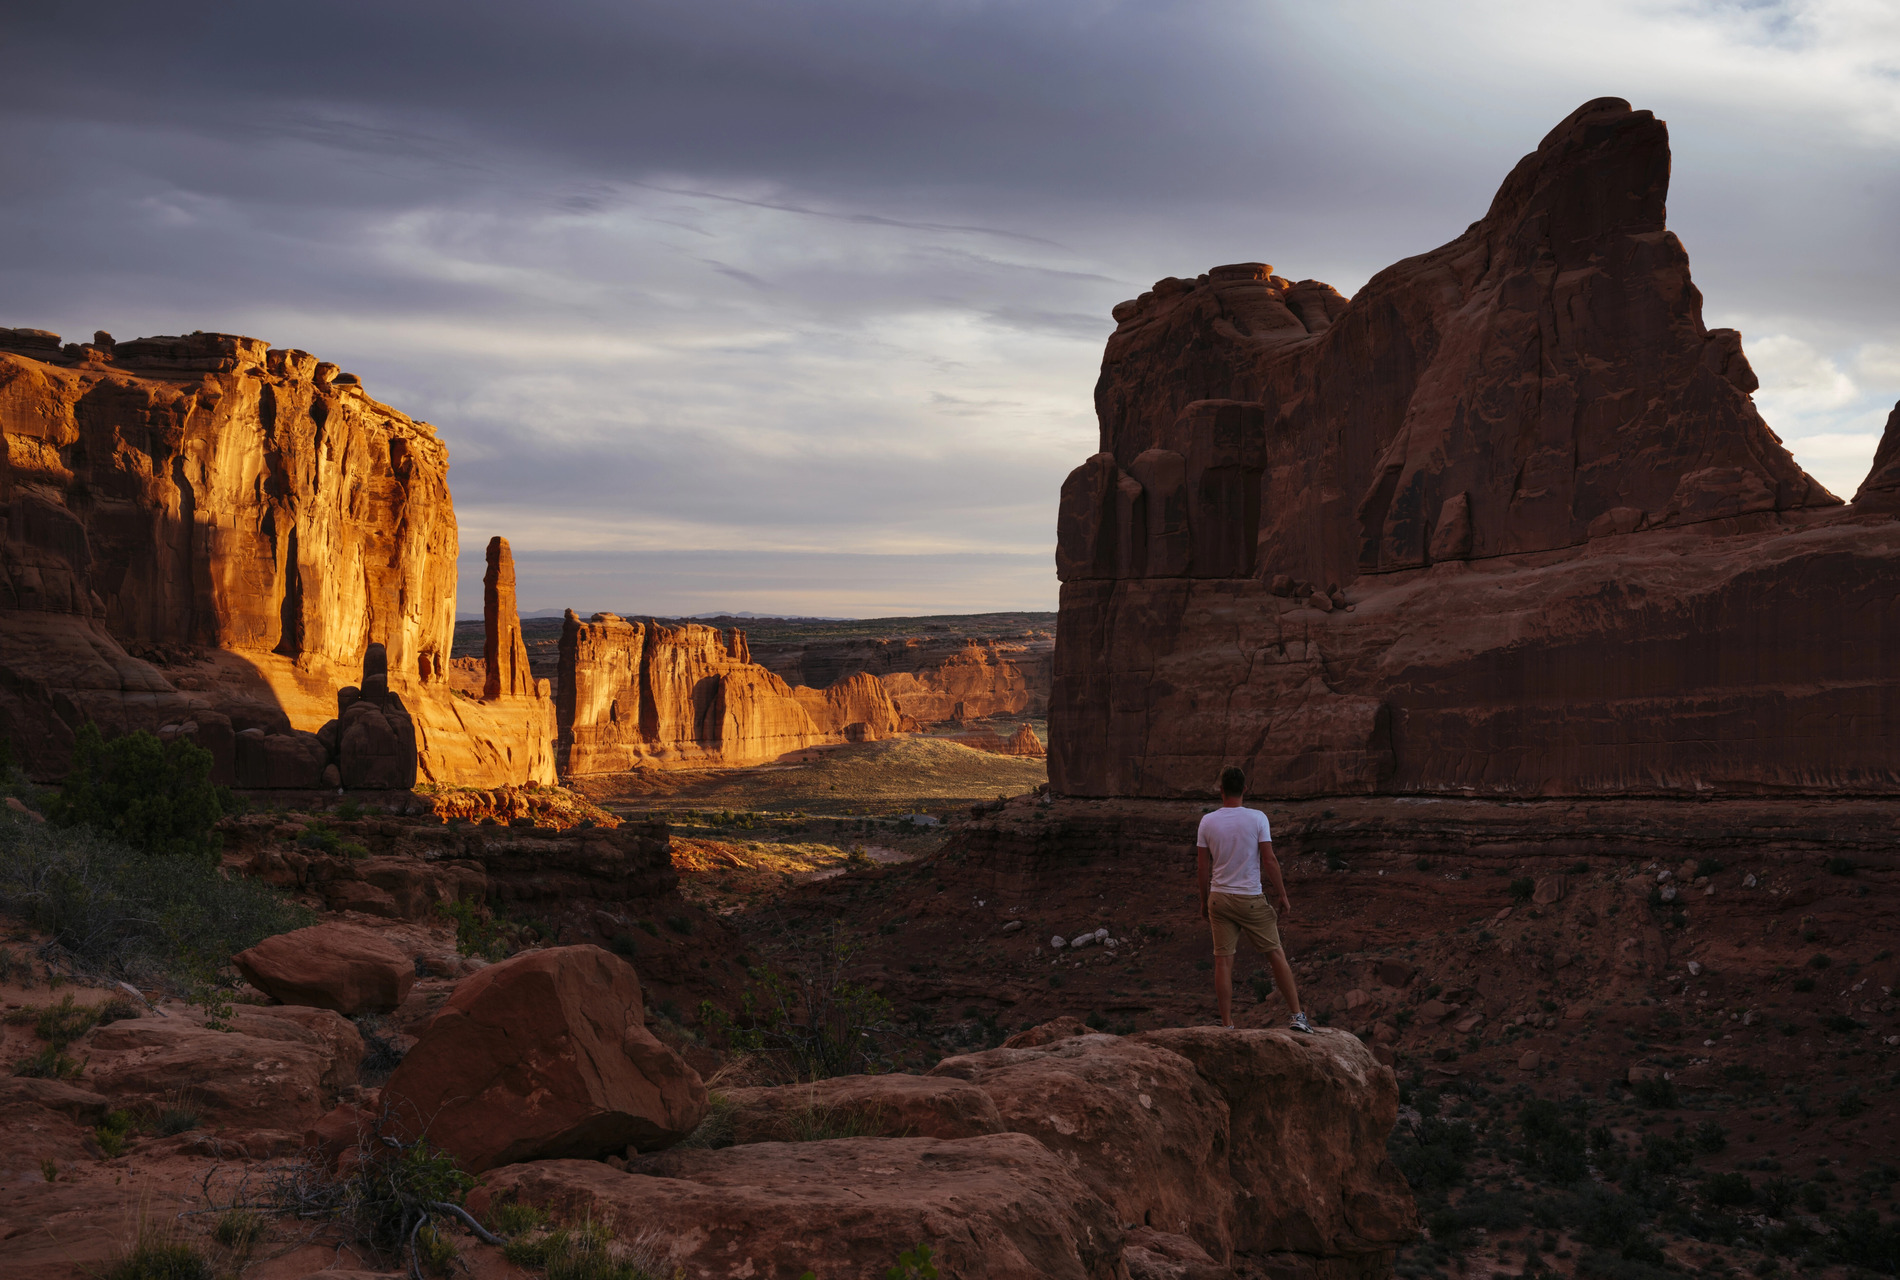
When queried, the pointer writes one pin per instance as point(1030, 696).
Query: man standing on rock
point(1235, 843)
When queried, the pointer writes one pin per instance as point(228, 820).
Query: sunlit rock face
point(201, 527)
point(1507, 521)
point(634, 693)
point(928, 676)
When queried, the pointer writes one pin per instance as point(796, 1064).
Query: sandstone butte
point(212, 537)
point(1506, 523)
point(637, 693)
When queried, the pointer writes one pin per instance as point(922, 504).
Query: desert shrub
point(382, 1199)
point(160, 1260)
point(112, 1133)
point(1728, 1189)
point(515, 1218)
point(1433, 1158)
point(118, 911)
point(48, 1064)
point(913, 1264)
point(1710, 1137)
point(479, 932)
point(177, 1114)
point(155, 796)
point(1840, 1022)
point(625, 946)
point(1804, 985)
point(1840, 867)
point(809, 1021)
point(1553, 1145)
point(586, 1250)
point(1658, 1093)
point(239, 1229)
point(1861, 1239)
point(1819, 960)
point(1522, 888)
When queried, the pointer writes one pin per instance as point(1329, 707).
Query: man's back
point(1232, 836)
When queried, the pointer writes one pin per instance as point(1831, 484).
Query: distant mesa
point(1507, 522)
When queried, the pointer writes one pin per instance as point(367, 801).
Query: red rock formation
point(637, 693)
point(502, 649)
point(543, 1056)
point(200, 530)
point(927, 675)
point(1507, 522)
point(329, 966)
point(1024, 742)
point(1881, 489)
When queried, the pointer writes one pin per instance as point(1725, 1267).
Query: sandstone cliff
point(202, 530)
point(928, 675)
point(632, 693)
point(1506, 522)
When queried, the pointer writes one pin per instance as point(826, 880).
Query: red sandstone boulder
point(996, 1207)
point(1134, 1122)
point(1310, 1118)
point(276, 1069)
point(330, 966)
point(545, 1055)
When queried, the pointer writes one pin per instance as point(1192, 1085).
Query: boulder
point(276, 1069)
point(893, 1105)
point(542, 1056)
point(995, 1207)
point(1135, 1122)
point(1310, 1116)
point(330, 966)
point(1549, 890)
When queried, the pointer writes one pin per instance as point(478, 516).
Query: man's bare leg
point(1224, 988)
point(1283, 978)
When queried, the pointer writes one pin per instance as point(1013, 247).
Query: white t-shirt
point(1232, 837)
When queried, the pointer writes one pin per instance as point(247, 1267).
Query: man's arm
point(1270, 867)
point(1204, 874)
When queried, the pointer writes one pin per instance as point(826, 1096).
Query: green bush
point(154, 796)
point(479, 932)
point(119, 911)
point(1522, 889)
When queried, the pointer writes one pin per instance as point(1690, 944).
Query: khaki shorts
point(1232, 915)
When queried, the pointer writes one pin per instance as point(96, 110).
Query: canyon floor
point(1614, 1064)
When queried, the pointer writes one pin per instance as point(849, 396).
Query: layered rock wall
point(633, 693)
point(927, 676)
point(1507, 522)
point(205, 531)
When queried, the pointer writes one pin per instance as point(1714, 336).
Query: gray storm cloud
point(798, 307)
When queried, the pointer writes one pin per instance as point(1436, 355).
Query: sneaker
point(1300, 1023)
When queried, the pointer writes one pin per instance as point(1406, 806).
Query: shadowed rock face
point(1506, 522)
point(635, 693)
point(204, 531)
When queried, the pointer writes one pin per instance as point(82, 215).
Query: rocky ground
point(1613, 1063)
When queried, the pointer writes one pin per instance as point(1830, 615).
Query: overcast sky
point(797, 307)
